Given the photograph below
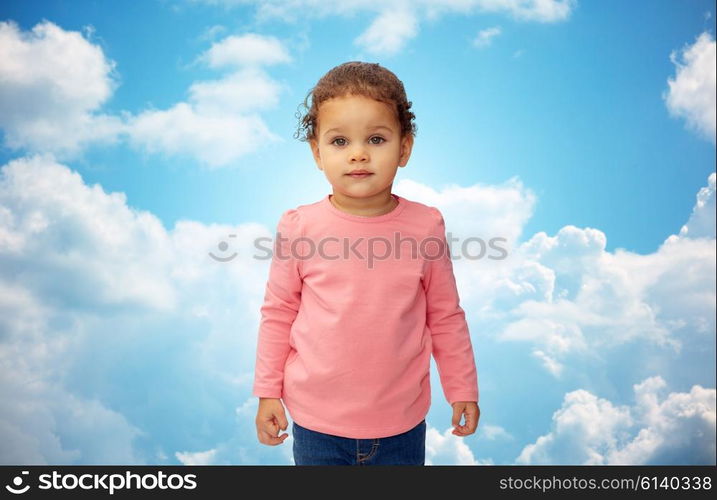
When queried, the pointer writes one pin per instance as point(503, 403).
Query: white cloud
point(52, 84)
point(101, 307)
point(86, 238)
point(484, 211)
point(493, 432)
point(196, 458)
point(592, 298)
point(448, 449)
point(485, 37)
point(390, 31)
point(215, 140)
point(290, 10)
point(613, 299)
point(42, 423)
point(546, 11)
point(691, 93)
point(247, 49)
point(565, 295)
point(243, 91)
point(220, 122)
point(212, 32)
point(397, 21)
point(549, 363)
point(702, 220)
point(588, 430)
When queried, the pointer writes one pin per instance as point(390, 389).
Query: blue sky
point(137, 135)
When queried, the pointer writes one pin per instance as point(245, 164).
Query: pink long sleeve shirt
point(354, 306)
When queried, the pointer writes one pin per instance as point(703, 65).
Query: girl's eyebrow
point(375, 127)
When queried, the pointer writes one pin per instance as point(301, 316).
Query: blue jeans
point(316, 448)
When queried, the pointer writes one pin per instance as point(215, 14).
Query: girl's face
point(357, 132)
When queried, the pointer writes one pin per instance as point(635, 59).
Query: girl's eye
point(382, 140)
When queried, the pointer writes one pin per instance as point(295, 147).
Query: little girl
point(360, 292)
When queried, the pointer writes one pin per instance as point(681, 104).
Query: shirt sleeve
point(452, 347)
point(281, 305)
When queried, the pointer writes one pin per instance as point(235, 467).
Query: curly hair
point(356, 78)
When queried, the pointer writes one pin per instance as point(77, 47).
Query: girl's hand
point(270, 417)
point(472, 413)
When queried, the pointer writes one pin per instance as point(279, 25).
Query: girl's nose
point(358, 153)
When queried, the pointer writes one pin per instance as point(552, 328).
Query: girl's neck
point(365, 207)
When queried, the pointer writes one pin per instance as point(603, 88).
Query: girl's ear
point(406, 148)
point(315, 152)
